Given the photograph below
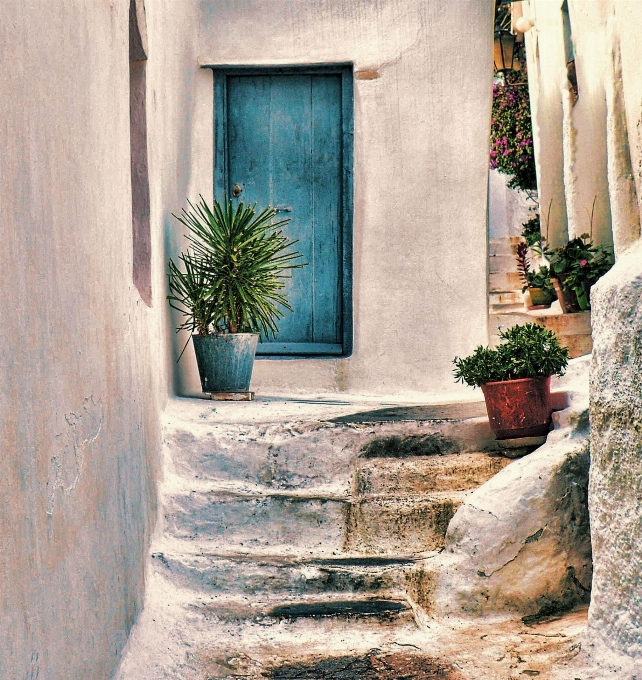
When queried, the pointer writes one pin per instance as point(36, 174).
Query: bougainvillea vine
point(511, 148)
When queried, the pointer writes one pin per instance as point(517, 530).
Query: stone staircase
point(506, 307)
point(294, 520)
point(504, 284)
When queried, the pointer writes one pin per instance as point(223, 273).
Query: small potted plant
point(515, 378)
point(538, 283)
point(575, 268)
point(230, 288)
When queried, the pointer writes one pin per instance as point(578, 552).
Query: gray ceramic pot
point(225, 361)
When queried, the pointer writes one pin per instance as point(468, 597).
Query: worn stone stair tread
point(422, 412)
point(175, 625)
point(240, 491)
point(228, 495)
point(426, 475)
point(322, 457)
point(292, 558)
point(290, 609)
point(310, 522)
point(509, 308)
point(287, 578)
point(370, 607)
point(189, 415)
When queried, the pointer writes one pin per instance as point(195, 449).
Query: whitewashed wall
point(81, 381)
point(508, 209)
point(420, 187)
point(570, 138)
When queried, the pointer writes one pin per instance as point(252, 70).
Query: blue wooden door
point(282, 143)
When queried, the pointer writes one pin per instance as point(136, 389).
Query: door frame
point(221, 172)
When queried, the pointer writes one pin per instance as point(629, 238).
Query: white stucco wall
point(570, 138)
point(547, 87)
point(81, 381)
point(180, 141)
point(508, 209)
point(420, 177)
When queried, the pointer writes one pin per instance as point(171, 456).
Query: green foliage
point(235, 268)
point(541, 279)
point(527, 351)
point(533, 279)
point(579, 264)
point(511, 136)
point(531, 232)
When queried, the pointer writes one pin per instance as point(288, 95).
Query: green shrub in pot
point(515, 378)
point(578, 265)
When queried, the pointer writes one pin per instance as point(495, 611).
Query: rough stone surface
point(371, 666)
point(458, 472)
point(615, 616)
point(400, 524)
point(285, 518)
point(521, 543)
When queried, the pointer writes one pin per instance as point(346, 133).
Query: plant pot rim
point(219, 335)
point(516, 380)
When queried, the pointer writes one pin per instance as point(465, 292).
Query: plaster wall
point(571, 141)
point(81, 385)
point(547, 86)
point(180, 143)
point(420, 177)
point(508, 209)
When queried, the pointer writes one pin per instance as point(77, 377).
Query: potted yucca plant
point(230, 287)
point(515, 378)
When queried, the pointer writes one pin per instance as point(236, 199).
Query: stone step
point(283, 577)
point(506, 309)
point(573, 330)
point(374, 524)
point(505, 281)
point(504, 246)
point(384, 524)
point(182, 635)
point(451, 472)
point(506, 298)
point(498, 264)
point(302, 454)
point(224, 520)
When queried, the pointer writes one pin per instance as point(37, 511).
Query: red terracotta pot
point(567, 298)
point(519, 408)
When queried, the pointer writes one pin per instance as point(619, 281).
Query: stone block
point(521, 542)
point(454, 472)
point(615, 615)
point(222, 521)
point(388, 525)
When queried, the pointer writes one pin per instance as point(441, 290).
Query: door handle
point(236, 191)
point(281, 207)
